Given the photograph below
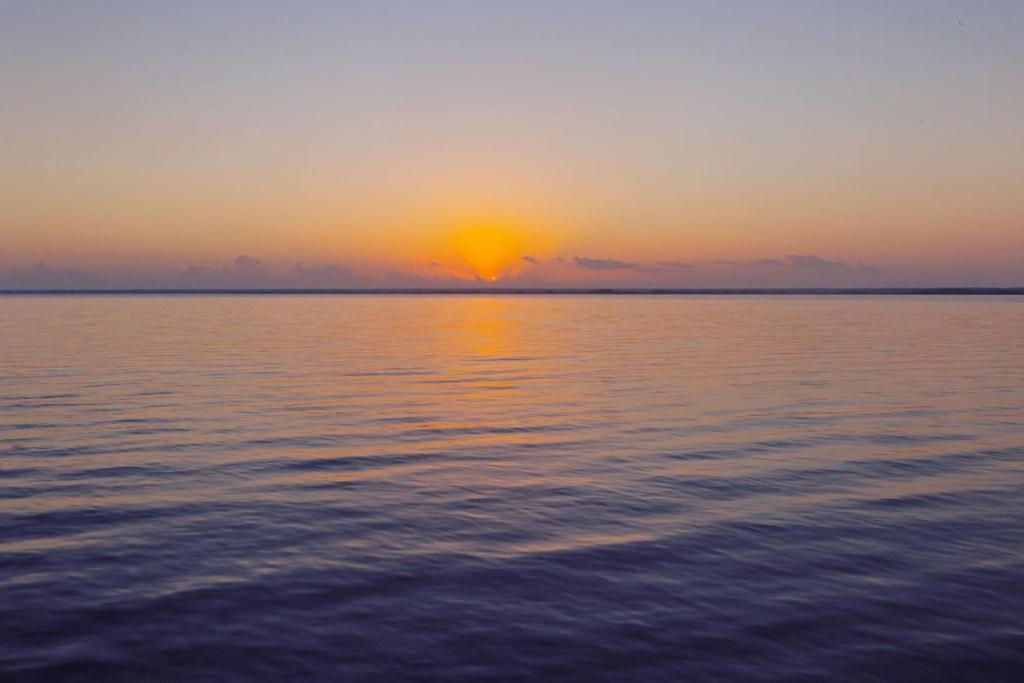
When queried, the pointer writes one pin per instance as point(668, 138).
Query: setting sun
point(489, 249)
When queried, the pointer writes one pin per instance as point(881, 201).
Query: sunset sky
point(536, 143)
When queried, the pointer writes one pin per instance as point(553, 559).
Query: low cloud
point(244, 272)
point(603, 263)
point(247, 265)
point(812, 261)
point(249, 272)
point(332, 276)
point(41, 276)
point(676, 265)
point(765, 262)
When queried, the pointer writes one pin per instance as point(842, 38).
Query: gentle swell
point(513, 488)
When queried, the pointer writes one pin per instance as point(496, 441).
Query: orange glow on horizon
point(489, 249)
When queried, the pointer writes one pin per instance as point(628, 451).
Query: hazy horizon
point(795, 271)
point(541, 488)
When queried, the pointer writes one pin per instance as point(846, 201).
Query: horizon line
point(886, 291)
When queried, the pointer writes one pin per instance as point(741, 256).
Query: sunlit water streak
point(512, 487)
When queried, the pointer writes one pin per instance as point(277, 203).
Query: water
point(478, 487)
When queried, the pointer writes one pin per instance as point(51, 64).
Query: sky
point(554, 143)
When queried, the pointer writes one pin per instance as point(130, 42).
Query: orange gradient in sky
point(363, 135)
point(485, 244)
point(490, 249)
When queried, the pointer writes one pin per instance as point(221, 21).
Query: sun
point(490, 249)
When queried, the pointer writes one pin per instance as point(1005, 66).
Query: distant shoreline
point(886, 291)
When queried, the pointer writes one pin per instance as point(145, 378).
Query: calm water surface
point(604, 488)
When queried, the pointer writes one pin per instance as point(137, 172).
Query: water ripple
point(511, 488)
